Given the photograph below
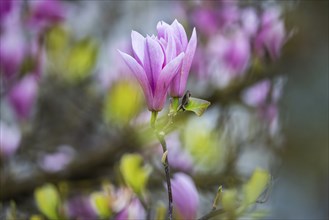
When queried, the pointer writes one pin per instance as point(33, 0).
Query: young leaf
point(101, 204)
point(198, 106)
point(134, 174)
point(229, 200)
point(48, 201)
point(255, 186)
point(81, 59)
point(123, 102)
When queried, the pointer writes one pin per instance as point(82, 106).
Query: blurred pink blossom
point(205, 20)
point(134, 210)
point(45, 12)
point(10, 138)
point(80, 207)
point(12, 50)
point(250, 21)
point(22, 96)
point(179, 158)
point(57, 161)
point(272, 34)
point(185, 196)
point(230, 57)
point(257, 94)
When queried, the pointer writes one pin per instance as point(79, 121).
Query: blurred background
point(75, 140)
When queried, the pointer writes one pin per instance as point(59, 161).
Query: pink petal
point(180, 32)
point(140, 75)
point(138, 45)
point(164, 80)
point(153, 60)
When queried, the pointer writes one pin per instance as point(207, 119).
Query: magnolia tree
point(164, 126)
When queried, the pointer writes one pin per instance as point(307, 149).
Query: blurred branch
point(86, 164)
point(233, 92)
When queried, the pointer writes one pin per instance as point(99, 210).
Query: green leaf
point(229, 200)
point(134, 174)
point(57, 41)
point(48, 201)
point(198, 106)
point(81, 59)
point(101, 204)
point(255, 186)
point(123, 102)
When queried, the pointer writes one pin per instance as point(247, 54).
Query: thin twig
point(160, 137)
point(167, 171)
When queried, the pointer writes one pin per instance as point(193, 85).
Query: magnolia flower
point(134, 210)
point(80, 207)
point(23, 95)
point(206, 20)
point(5, 8)
point(45, 12)
point(154, 63)
point(165, 32)
point(10, 138)
point(250, 21)
point(257, 94)
point(185, 197)
point(57, 161)
point(230, 57)
point(272, 34)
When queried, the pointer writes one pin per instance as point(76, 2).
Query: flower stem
point(160, 137)
point(167, 171)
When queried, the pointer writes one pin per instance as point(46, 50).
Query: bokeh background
point(75, 136)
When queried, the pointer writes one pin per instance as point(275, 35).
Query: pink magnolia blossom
point(205, 20)
point(10, 138)
point(257, 94)
point(22, 96)
point(134, 210)
point(80, 207)
point(185, 196)
point(154, 63)
point(165, 32)
point(272, 34)
point(45, 12)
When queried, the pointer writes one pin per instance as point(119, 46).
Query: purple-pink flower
point(80, 207)
point(256, 95)
point(22, 96)
point(185, 197)
point(45, 12)
point(134, 210)
point(272, 34)
point(154, 63)
point(10, 138)
point(165, 32)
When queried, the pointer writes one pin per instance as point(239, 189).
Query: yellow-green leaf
point(101, 204)
point(57, 41)
point(255, 186)
point(198, 106)
point(229, 200)
point(134, 174)
point(81, 59)
point(48, 201)
point(123, 102)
